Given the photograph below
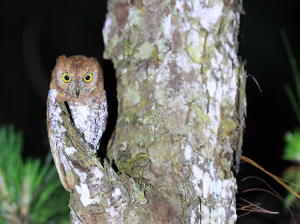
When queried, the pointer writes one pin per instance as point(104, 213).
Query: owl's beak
point(77, 91)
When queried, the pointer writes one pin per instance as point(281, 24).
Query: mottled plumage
point(78, 81)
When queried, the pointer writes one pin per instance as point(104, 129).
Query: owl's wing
point(64, 170)
point(100, 120)
point(57, 145)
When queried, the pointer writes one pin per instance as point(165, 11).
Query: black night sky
point(34, 33)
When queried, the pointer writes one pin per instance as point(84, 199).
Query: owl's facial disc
point(78, 88)
point(77, 77)
point(75, 89)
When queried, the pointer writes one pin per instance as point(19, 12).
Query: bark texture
point(181, 92)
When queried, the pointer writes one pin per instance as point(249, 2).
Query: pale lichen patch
point(208, 17)
point(188, 151)
point(205, 213)
point(167, 29)
point(217, 59)
point(133, 96)
point(98, 174)
point(195, 45)
point(207, 185)
point(116, 193)
point(70, 150)
point(85, 195)
point(112, 211)
point(198, 176)
point(163, 45)
point(134, 18)
point(145, 51)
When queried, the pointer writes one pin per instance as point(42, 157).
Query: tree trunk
point(181, 93)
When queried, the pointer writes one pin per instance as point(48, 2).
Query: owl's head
point(77, 76)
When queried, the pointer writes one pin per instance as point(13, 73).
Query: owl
point(78, 82)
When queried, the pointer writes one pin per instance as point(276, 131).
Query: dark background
point(34, 33)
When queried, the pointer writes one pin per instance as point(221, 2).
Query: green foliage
point(30, 191)
point(296, 74)
point(292, 153)
point(292, 175)
point(292, 149)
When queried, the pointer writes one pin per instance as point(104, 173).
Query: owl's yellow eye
point(88, 77)
point(66, 77)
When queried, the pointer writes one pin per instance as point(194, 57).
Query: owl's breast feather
point(90, 120)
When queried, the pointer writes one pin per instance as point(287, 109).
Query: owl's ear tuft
point(96, 64)
point(61, 58)
point(94, 60)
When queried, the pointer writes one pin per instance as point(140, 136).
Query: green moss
point(124, 156)
point(228, 125)
point(195, 55)
point(128, 118)
point(128, 49)
point(133, 167)
point(201, 116)
point(141, 198)
point(143, 103)
point(154, 54)
point(151, 117)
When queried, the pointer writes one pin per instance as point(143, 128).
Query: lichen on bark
point(180, 105)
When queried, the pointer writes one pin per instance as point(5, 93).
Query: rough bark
point(180, 109)
point(181, 113)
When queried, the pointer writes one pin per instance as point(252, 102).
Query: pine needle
point(278, 179)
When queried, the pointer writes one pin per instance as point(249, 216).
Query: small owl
point(77, 81)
